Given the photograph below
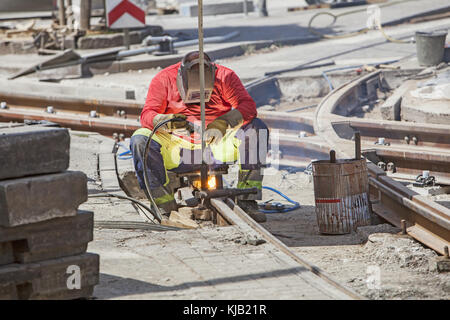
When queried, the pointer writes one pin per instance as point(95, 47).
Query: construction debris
point(180, 221)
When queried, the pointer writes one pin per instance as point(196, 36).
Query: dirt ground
point(375, 261)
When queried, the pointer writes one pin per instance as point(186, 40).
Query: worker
point(233, 133)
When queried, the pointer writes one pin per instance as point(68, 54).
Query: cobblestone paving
point(199, 264)
point(206, 263)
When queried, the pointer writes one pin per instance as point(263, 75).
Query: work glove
point(218, 128)
point(215, 131)
point(170, 126)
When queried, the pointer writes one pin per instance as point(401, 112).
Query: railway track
point(302, 137)
point(423, 219)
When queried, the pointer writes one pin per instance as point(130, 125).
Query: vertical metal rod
point(85, 15)
point(262, 8)
point(245, 7)
point(446, 255)
point(204, 167)
point(403, 225)
point(357, 145)
point(69, 17)
point(61, 13)
point(105, 14)
point(332, 156)
point(126, 38)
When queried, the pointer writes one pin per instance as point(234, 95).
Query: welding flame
point(211, 183)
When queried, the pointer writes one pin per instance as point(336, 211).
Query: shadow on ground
point(111, 286)
point(299, 229)
point(249, 33)
point(443, 203)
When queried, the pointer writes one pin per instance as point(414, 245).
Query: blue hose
point(295, 206)
point(123, 155)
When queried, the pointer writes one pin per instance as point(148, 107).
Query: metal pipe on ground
point(357, 145)
point(108, 55)
point(204, 167)
point(61, 13)
point(85, 14)
point(179, 44)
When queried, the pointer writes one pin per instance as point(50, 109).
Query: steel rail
point(234, 215)
point(295, 151)
point(428, 222)
point(105, 125)
point(68, 103)
point(396, 132)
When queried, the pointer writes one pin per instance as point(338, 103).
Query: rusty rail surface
point(72, 104)
point(74, 120)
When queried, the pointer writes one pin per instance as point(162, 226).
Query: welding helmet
point(188, 79)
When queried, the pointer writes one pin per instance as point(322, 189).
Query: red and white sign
point(123, 14)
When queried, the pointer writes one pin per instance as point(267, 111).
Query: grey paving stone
point(39, 198)
point(30, 150)
point(236, 272)
point(8, 292)
point(55, 238)
point(109, 181)
point(106, 161)
point(49, 279)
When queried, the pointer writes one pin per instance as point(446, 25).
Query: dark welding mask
point(188, 79)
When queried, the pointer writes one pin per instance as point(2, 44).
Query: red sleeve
point(156, 101)
point(236, 94)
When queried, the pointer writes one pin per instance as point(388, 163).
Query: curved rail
point(426, 221)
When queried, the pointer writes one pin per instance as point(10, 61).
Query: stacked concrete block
point(43, 235)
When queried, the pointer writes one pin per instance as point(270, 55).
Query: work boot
point(164, 200)
point(252, 209)
point(168, 207)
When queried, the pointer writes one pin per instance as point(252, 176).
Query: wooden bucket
point(341, 194)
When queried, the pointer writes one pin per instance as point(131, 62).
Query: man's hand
point(172, 125)
point(215, 131)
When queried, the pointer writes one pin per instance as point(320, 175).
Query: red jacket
point(228, 93)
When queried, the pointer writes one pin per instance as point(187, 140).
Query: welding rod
point(204, 166)
point(332, 156)
point(357, 145)
point(219, 193)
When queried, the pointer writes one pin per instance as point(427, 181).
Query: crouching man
point(233, 133)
